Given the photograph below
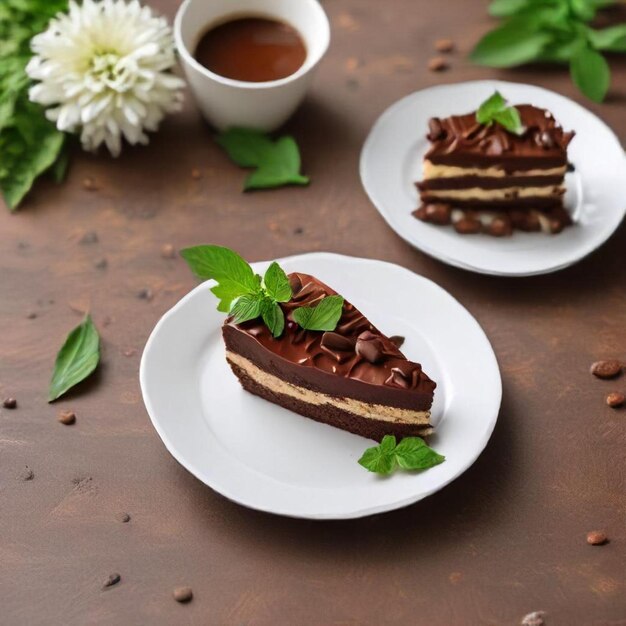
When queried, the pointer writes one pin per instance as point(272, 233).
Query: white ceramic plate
point(596, 191)
point(268, 458)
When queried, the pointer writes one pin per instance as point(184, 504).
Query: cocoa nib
point(606, 369)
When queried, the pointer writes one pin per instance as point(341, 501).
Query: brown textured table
point(505, 539)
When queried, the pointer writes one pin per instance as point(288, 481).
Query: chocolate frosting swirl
point(461, 140)
point(354, 350)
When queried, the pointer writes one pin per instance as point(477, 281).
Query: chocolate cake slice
point(354, 378)
point(481, 172)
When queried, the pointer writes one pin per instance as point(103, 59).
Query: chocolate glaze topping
point(355, 351)
point(460, 140)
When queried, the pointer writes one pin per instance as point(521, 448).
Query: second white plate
point(268, 458)
point(596, 191)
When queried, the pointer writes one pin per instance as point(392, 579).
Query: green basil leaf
point(247, 308)
point(277, 162)
point(491, 105)
point(590, 73)
point(325, 316)
point(412, 453)
point(77, 359)
point(510, 45)
point(510, 119)
point(273, 317)
point(277, 283)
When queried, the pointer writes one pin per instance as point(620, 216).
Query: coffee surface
point(252, 49)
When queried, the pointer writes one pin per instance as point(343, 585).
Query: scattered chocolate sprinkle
point(31, 315)
point(397, 340)
point(597, 538)
point(606, 369)
point(89, 237)
point(196, 173)
point(370, 347)
point(124, 518)
point(112, 579)
point(67, 417)
point(444, 45)
point(9, 403)
point(145, 294)
point(615, 399)
point(26, 474)
point(438, 64)
point(168, 251)
point(536, 618)
point(467, 226)
point(89, 184)
point(298, 230)
point(101, 264)
point(183, 594)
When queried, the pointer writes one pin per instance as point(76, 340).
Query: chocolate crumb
point(101, 264)
point(31, 315)
point(536, 618)
point(183, 594)
point(597, 538)
point(9, 403)
point(615, 399)
point(196, 173)
point(444, 45)
point(67, 417)
point(606, 369)
point(438, 64)
point(168, 251)
point(89, 184)
point(298, 231)
point(112, 579)
point(26, 474)
point(124, 518)
point(397, 340)
point(89, 237)
point(145, 294)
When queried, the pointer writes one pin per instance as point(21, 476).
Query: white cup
point(225, 102)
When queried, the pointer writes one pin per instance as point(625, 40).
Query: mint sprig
point(554, 31)
point(277, 162)
point(495, 110)
point(411, 453)
point(246, 296)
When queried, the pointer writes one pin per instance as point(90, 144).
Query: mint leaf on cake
point(495, 109)
point(277, 162)
point(294, 341)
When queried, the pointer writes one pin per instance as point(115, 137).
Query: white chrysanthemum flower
point(104, 68)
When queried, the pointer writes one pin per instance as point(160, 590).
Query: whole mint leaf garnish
point(590, 72)
point(277, 284)
point(324, 316)
point(277, 162)
point(411, 453)
point(78, 357)
point(495, 109)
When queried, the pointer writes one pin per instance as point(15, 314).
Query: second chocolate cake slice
point(354, 378)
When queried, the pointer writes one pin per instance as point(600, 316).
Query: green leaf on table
point(496, 109)
point(506, 8)
point(277, 162)
point(76, 360)
point(324, 316)
point(515, 43)
point(277, 284)
point(590, 73)
point(273, 317)
point(380, 459)
point(412, 453)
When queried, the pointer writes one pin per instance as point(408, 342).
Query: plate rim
point(391, 109)
point(352, 513)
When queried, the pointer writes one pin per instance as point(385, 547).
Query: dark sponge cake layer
point(331, 415)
